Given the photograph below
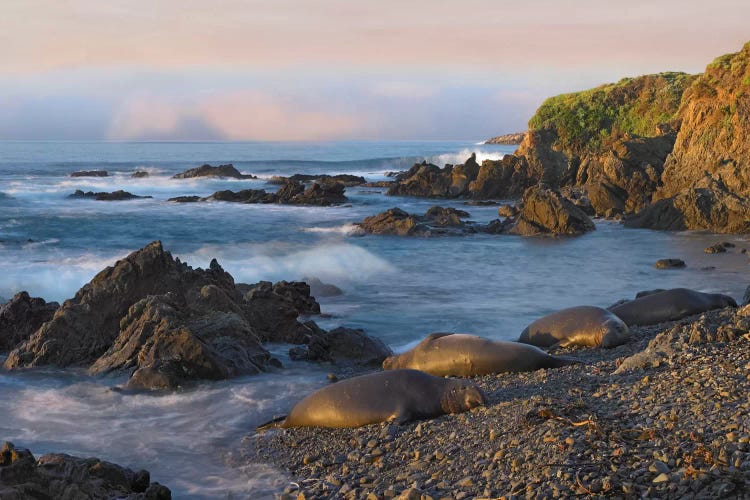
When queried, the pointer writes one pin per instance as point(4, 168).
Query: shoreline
point(679, 429)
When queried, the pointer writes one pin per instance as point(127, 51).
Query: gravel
point(675, 426)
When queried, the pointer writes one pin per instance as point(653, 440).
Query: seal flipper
point(271, 424)
point(401, 417)
point(559, 361)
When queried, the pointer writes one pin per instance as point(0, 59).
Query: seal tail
point(271, 424)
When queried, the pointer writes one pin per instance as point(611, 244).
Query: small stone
point(661, 478)
point(669, 264)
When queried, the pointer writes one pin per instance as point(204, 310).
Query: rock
point(185, 199)
point(320, 289)
point(113, 196)
point(21, 317)
point(508, 139)
point(209, 171)
point(170, 324)
point(507, 211)
point(436, 221)
point(502, 179)
point(546, 212)
point(669, 264)
point(715, 125)
point(344, 346)
point(139, 174)
point(57, 475)
point(717, 248)
point(706, 206)
point(90, 173)
point(345, 179)
point(290, 193)
point(746, 297)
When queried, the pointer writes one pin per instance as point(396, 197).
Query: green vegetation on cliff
point(636, 106)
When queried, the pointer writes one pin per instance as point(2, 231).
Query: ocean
point(397, 289)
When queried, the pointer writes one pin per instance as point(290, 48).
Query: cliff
point(509, 139)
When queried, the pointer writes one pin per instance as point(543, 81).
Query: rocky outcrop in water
point(139, 174)
point(170, 324)
point(345, 179)
point(290, 193)
point(90, 173)
point(344, 345)
point(22, 316)
point(437, 221)
point(60, 476)
point(209, 171)
point(508, 139)
point(545, 211)
point(119, 195)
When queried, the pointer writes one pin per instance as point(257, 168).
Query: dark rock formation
point(209, 171)
point(508, 139)
point(119, 195)
point(90, 173)
point(166, 322)
point(344, 345)
point(708, 206)
point(139, 174)
point(345, 179)
point(546, 212)
point(290, 193)
point(665, 264)
point(57, 475)
point(21, 317)
point(717, 248)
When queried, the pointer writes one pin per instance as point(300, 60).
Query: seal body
point(670, 305)
point(398, 395)
point(583, 325)
point(463, 355)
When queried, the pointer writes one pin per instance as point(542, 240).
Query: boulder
point(209, 171)
point(344, 346)
point(717, 248)
point(290, 193)
point(546, 212)
point(667, 264)
point(507, 211)
point(436, 221)
point(90, 173)
point(119, 195)
point(323, 194)
point(21, 317)
point(185, 199)
point(507, 178)
point(345, 179)
point(139, 174)
point(707, 206)
point(244, 196)
point(57, 475)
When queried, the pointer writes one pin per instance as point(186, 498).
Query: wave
point(463, 155)
point(346, 230)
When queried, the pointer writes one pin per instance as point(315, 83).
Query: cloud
point(233, 115)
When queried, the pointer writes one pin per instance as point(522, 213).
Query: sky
point(330, 69)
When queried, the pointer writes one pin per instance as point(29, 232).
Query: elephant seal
point(583, 325)
point(670, 305)
point(398, 396)
point(463, 355)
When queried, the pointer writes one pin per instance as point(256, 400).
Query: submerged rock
point(57, 475)
point(21, 317)
point(546, 212)
point(320, 289)
point(668, 264)
point(139, 174)
point(90, 173)
point(344, 345)
point(436, 221)
point(119, 195)
point(210, 171)
point(345, 179)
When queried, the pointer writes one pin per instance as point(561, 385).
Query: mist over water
point(398, 289)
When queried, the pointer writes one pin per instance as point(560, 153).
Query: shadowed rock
point(209, 171)
point(21, 317)
point(119, 195)
point(669, 264)
point(546, 212)
point(90, 173)
point(57, 475)
point(290, 193)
